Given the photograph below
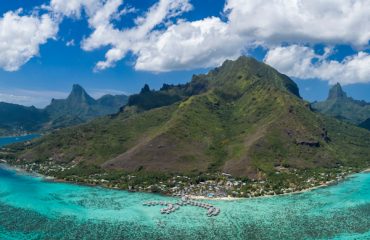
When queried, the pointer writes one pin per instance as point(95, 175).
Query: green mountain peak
point(79, 96)
point(247, 71)
point(343, 107)
point(243, 118)
point(231, 80)
point(81, 106)
point(336, 92)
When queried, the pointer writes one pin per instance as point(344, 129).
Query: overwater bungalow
point(172, 207)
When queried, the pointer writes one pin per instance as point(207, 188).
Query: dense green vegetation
point(243, 118)
point(16, 118)
point(79, 107)
point(342, 107)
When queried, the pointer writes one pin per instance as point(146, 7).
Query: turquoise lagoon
point(33, 208)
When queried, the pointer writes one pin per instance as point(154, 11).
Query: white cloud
point(301, 21)
point(162, 41)
point(302, 62)
point(209, 41)
point(132, 39)
point(188, 45)
point(127, 10)
point(354, 69)
point(103, 15)
point(293, 60)
point(249, 23)
point(21, 36)
point(70, 43)
point(73, 8)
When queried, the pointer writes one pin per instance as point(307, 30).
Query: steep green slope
point(340, 106)
point(246, 119)
point(18, 119)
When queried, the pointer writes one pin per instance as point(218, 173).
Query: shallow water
point(31, 208)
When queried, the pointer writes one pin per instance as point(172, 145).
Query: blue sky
point(115, 46)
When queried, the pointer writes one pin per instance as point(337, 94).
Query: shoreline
point(328, 184)
point(20, 135)
point(6, 166)
point(195, 197)
point(266, 196)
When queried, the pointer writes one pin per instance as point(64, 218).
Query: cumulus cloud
point(162, 41)
point(294, 60)
point(207, 42)
point(21, 36)
point(249, 23)
point(188, 45)
point(301, 21)
point(302, 62)
point(132, 39)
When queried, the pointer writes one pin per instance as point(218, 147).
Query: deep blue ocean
point(33, 208)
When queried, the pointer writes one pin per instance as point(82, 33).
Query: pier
point(212, 211)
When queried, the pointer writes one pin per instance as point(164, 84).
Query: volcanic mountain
point(79, 107)
point(243, 118)
point(340, 106)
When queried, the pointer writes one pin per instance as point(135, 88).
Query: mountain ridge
point(77, 108)
point(342, 107)
point(243, 118)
